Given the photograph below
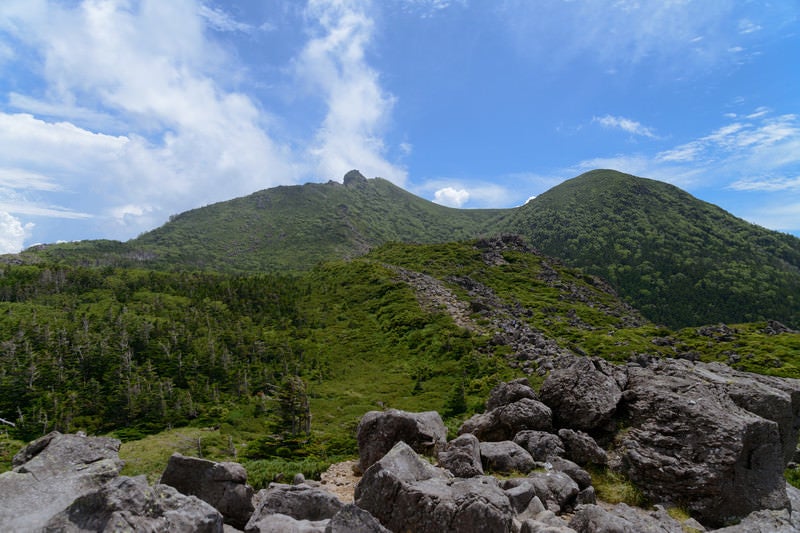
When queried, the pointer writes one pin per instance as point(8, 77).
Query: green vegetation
point(612, 487)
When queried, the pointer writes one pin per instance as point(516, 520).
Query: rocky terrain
point(699, 437)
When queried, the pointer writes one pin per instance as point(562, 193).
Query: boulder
point(581, 448)
point(301, 502)
point(555, 489)
point(50, 473)
point(779, 521)
point(281, 523)
point(504, 422)
point(406, 493)
point(540, 444)
point(462, 456)
point(623, 519)
point(129, 504)
point(506, 457)
point(223, 485)
point(690, 444)
point(379, 431)
point(578, 474)
point(545, 522)
point(353, 519)
point(520, 497)
point(510, 392)
point(584, 395)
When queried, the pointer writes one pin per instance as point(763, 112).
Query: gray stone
point(583, 396)
point(301, 502)
point(281, 523)
point(353, 519)
point(581, 448)
point(379, 431)
point(545, 522)
point(510, 392)
point(578, 474)
point(129, 504)
point(223, 485)
point(622, 519)
point(506, 457)
point(462, 456)
point(406, 493)
point(50, 473)
point(520, 496)
point(504, 422)
point(540, 444)
point(556, 489)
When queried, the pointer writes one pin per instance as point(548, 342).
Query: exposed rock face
point(506, 457)
point(690, 442)
point(583, 396)
point(623, 519)
point(129, 504)
point(353, 519)
point(462, 457)
point(302, 502)
point(50, 473)
point(407, 493)
point(582, 448)
point(510, 392)
point(540, 444)
point(504, 422)
point(223, 485)
point(379, 431)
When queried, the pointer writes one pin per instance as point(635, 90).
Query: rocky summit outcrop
point(379, 431)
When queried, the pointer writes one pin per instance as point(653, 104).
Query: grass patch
point(613, 487)
point(261, 472)
point(8, 449)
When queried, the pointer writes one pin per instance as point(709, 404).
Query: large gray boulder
point(462, 456)
point(129, 504)
point(302, 502)
point(584, 395)
point(623, 519)
point(223, 485)
point(690, 444)
point(406, 493)
point(50, 473)
point(777, 521)
point(504, 422)
point(281, 523)
point(506, 457)
point(540, 444)
point(379, 431)
point(581, 448)
point(510, 392)
point(353, 519)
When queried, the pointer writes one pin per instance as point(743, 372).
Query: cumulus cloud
point(12, 233)
point(625, 124)
point(451, 197)
point(358, 108)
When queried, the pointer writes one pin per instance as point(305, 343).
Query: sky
point(116, 114)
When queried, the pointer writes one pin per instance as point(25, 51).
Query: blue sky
point(115, 114)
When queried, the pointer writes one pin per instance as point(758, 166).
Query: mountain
point(680, 260)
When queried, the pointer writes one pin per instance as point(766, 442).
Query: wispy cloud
point(625, 124)
point(358, 108)
point(223, 21)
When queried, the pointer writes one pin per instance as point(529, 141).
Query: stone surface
point(503, 423)
point(301, 502)
point(506, 457)
point(581, 448)
point(690, 444)
point(281, 523)
point(406, 493)
point(540, 444)
point(462, 456)
point(223, 485)
point(623, 519)
point(578, 474)
point(50, 473)
point(129, 504)
point(555, 489)
point(584, 395)
point(353, 519)
point(510, 392)
point(379, 431)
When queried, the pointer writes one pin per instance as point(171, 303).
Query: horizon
point(116, 115)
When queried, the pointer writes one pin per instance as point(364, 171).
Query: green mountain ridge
point(679, 260)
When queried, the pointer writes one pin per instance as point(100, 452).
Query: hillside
point(679, 260)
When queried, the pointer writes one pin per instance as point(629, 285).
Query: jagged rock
point(129, 504)
point(520, 496)
point(379, 431)
point(506, 457)
point(689, 443)
point(623, 519)
point(510, 392)
point(50, 472)
point(582, 448)
point(578, 474)
point(301, 502)
point(545, 522)
point(534, 508)
point(462, 456)
point(223, 485)
point(556, 489)
point(504, 422)
point(583, 396)
point(281, 523)
point(406, 493)
point(779, 521)
point(586, 496)
point(540, 444)
point(353, 519)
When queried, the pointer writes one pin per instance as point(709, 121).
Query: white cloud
point(625, 124)
point(12, 233)
point(451, 197)
point(222, 21)
point(358, 108)
point(767, 184)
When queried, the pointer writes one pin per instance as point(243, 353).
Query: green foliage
point(612, 487)
point(261, 473)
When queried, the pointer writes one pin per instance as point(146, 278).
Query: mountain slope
point(680, 260)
